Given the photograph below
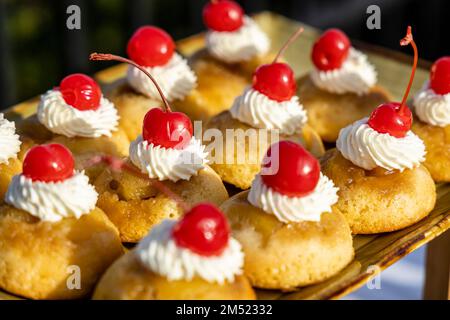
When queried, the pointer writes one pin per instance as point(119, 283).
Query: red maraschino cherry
point(440, 76)
point(395, 118)
point(48, 163)
point(150, 46)
point(290, 170)
point(203, 230)
point(161, 127)
point(276, 80)
point(330, 50)
point(81, 92)
point(223, 15)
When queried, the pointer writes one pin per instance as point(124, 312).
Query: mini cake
point(290, 233)
point(235, 47)
point(377, 167)
point(10, 143)
point(192, 259)
point(266, 112)
point(77, 115)
point(166, 163)
point(342, 87)
point(432, 108)
point(51, 228)
point(153, 49)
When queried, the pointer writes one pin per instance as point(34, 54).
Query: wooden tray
point(373, 253)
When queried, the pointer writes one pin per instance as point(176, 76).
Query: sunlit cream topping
point(168, 163)
point(60, 118)
point(356, 75)
point(369, 149)
point(176, 79)
point(259, 111)
point(294, 209)
point(160, 253)
point(243, 44)
point(52, 201)
point(431, 107)
point(9, 140)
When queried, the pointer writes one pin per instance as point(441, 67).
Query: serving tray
point(374, 252)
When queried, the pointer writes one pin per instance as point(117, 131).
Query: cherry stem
point(112, 57)
point(119, 165)
point(288, 43)
point(408, 39)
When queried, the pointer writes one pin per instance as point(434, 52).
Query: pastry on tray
point(191, 259)
point(235, 47)
point(342, 87)
point(377, 167)
point(153, 49)
point(264, 113)
point(77, 115)
point(288, 228)
point(54, 242)
point(167, 164)
point(432, 109)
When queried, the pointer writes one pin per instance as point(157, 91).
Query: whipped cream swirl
point(52, 201)
point(168, 163)
point(431, 107)
point(259, 111)
point(60, 118)
point(294, 209)
point(356, 75)
point(9, 140)
point(175, 78)
point(160, 253)
point(369, 149)
point(240, 45)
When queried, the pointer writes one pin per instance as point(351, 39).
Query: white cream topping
point(431, 107)
point(356, 75)
point(168, 163)
point(175, 78)
point(9, 140)
point(369, 149)
point(52, 201)
point(160, 253)
point(240, 45)
point(259, 111)
point(294, 209)
point(60, 118)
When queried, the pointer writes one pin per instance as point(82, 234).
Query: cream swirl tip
point(9, 140)
point(432, 108)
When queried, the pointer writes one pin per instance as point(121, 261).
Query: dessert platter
point(110, 175)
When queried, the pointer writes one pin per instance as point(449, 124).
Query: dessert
point(153, 49)
point(166, 163)
point(235, 46)
point(377, 167)
point(432, 109)
point(342, 87)
point(191, 259)
point(50, 226)
point(266, 112)
point(288, 228)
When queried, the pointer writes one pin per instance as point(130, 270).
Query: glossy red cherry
point(330, 50)
point(48, 163)
point(276, 81)
point(150, 46)
point(203, 230)
point(81, 92)
point(290, 170)
point(167, 129)
point(223, 15)
point(386, 118)
point(440, 76)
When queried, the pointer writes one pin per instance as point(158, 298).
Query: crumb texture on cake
point(128, 279)
point(379, 201)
